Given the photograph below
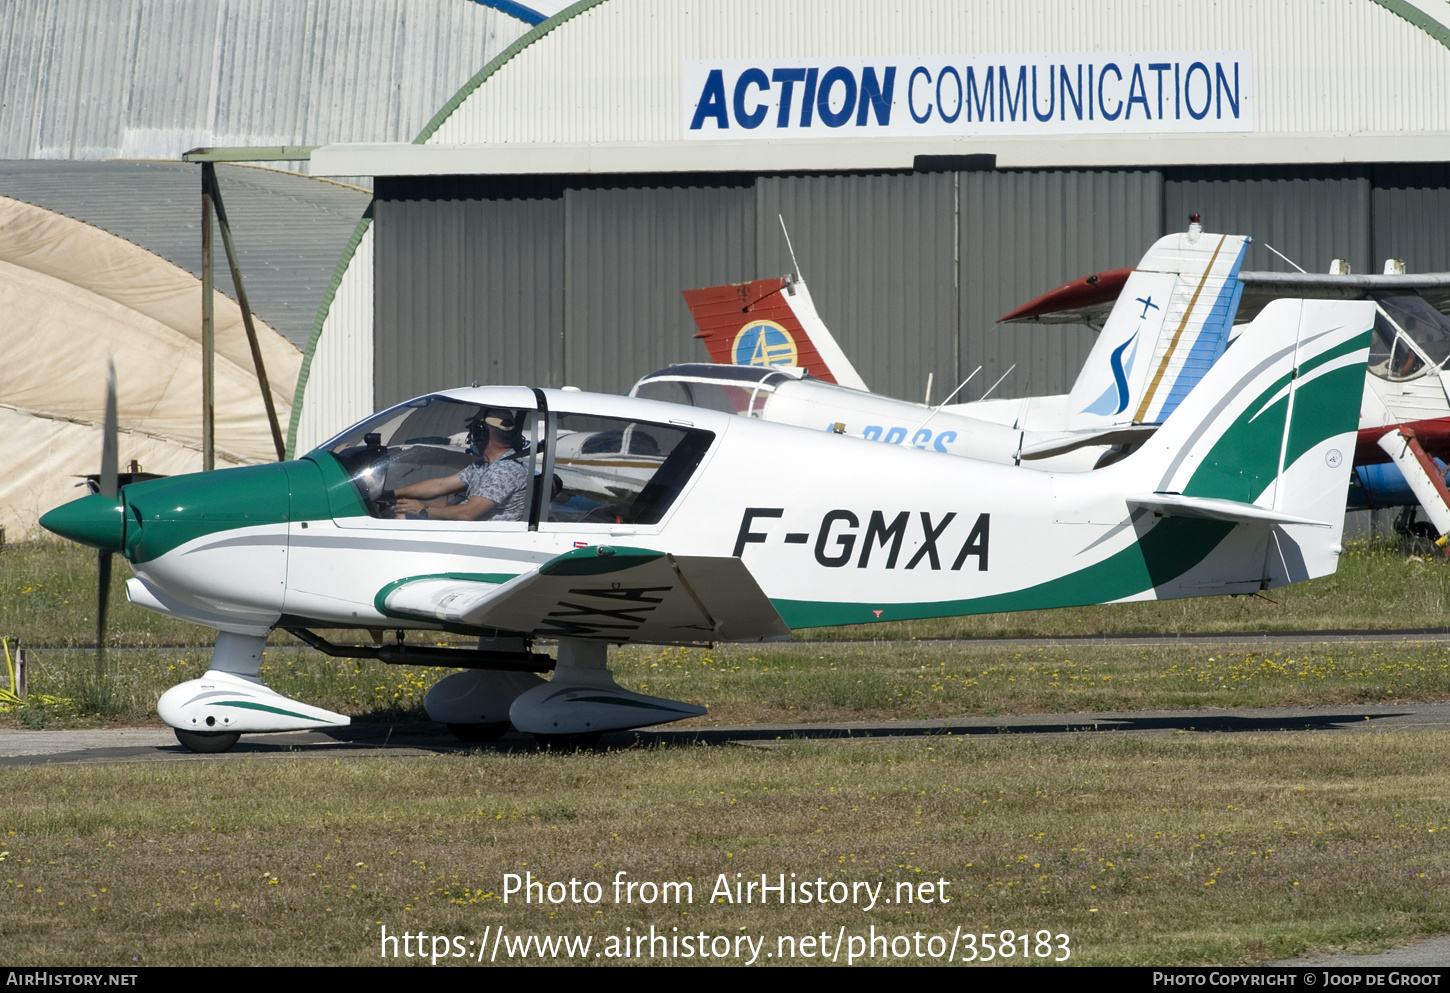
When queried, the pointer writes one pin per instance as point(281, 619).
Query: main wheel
point(478, 733)
point(567, 742)
point(207, 744)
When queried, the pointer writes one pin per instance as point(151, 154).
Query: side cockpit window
point(442, 459)
point(1411, 338)
point(611, 471)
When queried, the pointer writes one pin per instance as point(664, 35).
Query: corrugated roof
point(93, 79)
point(289, 230)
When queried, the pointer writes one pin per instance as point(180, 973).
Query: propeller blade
point(109, 470)
point(103, 591)
point(110, 486)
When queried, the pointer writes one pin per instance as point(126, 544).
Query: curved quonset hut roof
point(601, 87)
point(289, 229)
point(613, 70)
point(95, 79)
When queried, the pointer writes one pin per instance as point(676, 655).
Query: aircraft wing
point(606, 594)
point(1089, 300)
point(1214, 509)
point(1262, 287)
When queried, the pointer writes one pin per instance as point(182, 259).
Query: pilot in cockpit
point(496, 486)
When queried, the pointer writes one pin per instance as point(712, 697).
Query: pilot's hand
point(406, 506)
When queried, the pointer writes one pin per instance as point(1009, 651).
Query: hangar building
point(935, 165)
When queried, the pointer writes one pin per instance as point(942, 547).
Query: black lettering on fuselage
point(928, 541)
point(846, 539)
point(976, 544)
point(749, 537)
point(584, 620)
point(878, 531)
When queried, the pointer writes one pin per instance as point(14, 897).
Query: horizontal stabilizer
point(1069, 441)
point(1214, 509)
point(607, 594)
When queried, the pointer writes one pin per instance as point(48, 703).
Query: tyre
point(207, 743)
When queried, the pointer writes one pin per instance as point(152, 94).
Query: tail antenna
point(790, 248)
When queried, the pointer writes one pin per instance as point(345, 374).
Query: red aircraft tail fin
point(769, 322)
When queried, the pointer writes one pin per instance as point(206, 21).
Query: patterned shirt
point(505, 482)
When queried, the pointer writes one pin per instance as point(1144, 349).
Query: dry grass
point(1207, 849)
point(804, 682)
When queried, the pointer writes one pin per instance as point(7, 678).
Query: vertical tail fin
point(1170, 324)
point(769, 322)
point(1268, 437)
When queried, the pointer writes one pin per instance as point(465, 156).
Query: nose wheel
point(207, 744)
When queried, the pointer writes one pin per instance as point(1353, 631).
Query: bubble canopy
point(609, 468)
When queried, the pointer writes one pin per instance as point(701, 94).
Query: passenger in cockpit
point(496, 486)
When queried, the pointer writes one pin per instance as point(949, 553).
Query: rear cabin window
point(609, 471)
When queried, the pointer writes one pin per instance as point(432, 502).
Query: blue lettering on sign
point(1137, 93)
point(835, 118)
point(1075, 95)
point(876, 96)
point(750, 77)
point(895, 436)
point(787, 78)
point(941, 104)
point(983, 104)
point(1051, 96)
point(808, 98)
point(943, 439)
point(1160, 68)
point(1102, 89)
point(1007, 107)
point(712, 102)
point(911, 95)
point(1223, 85)
point(739, 97)
point(1197, 115)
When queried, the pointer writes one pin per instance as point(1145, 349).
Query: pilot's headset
point(498, 418)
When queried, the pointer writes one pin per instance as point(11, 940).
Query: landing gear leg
point(583, 700)
point(210, 713)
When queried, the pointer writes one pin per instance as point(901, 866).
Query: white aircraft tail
point(1170, 323)
point(769, 322)
point(1267, 438)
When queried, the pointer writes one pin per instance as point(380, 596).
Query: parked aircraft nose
point(95, 520)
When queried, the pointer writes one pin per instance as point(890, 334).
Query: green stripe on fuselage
point(1172, 547)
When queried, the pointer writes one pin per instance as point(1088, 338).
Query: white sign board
point(1096, 93)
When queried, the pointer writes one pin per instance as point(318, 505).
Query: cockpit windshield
point(1411, 338)
point(438, 437)
point(423, 458)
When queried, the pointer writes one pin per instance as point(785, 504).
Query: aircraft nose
point(95, 520)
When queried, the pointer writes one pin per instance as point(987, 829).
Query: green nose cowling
point(95, 520)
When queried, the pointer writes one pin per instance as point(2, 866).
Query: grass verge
point(803, 682)
point(1189, 850)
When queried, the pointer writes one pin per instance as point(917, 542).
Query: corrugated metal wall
point(613, 73)
point(579, 284)
point(1024, 233)
point(878, 254)
point(628, 253)
point(467, 288)
point(1411, 208)
point(91, 79)
point(1311, 214)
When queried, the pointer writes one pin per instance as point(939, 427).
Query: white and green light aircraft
point(648, 522)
